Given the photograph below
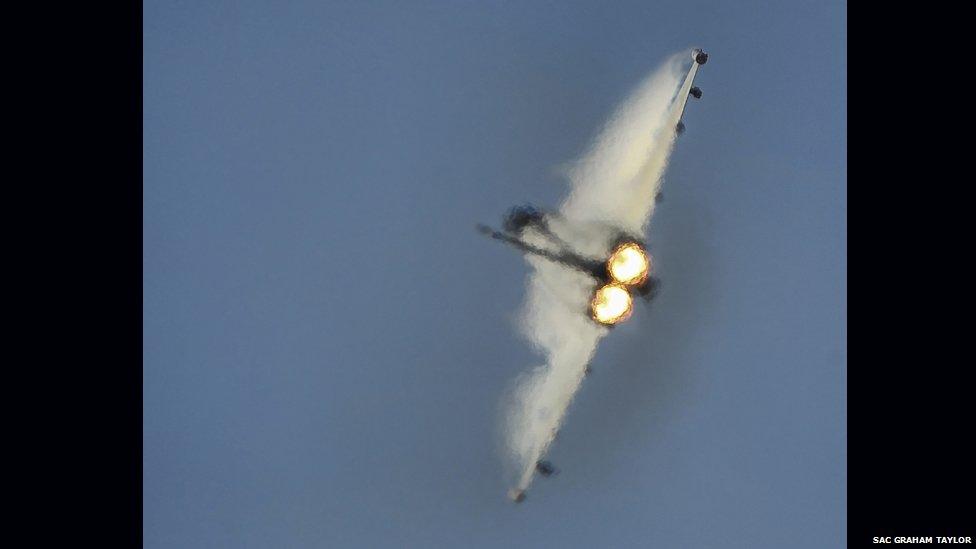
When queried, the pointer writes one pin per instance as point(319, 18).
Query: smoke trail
point(613, 187)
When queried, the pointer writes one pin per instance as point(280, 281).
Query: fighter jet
point(619, 272)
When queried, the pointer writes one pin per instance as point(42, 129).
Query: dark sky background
point(327, 338)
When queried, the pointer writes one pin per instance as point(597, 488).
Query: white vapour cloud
point(613, 188)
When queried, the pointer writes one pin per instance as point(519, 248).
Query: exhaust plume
point(612, 187)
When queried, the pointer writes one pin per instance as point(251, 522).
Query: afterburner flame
point(611, 304)
point(628, 264)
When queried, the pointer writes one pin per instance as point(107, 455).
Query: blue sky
point(326, 337)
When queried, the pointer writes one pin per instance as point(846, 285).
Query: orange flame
point(629, 264)
point(611, 304)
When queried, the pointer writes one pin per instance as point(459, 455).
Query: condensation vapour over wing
point(612, 188)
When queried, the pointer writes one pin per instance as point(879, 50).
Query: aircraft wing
point(616, 181)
